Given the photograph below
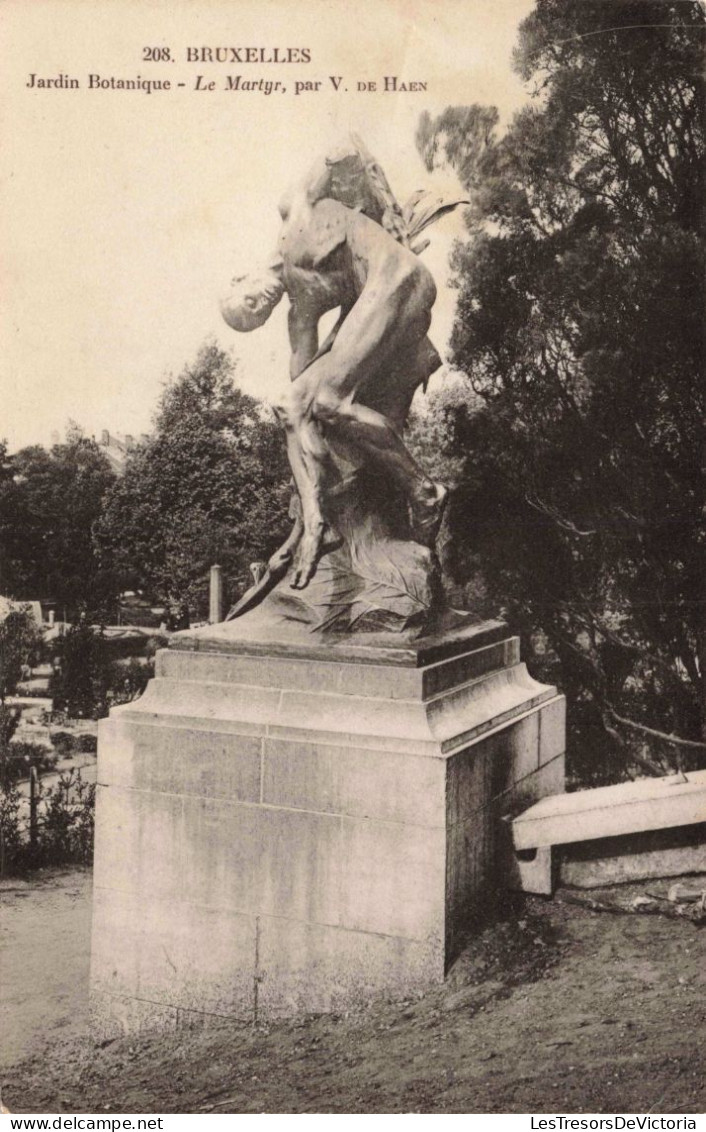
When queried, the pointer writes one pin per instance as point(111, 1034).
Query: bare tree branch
point(657, 734)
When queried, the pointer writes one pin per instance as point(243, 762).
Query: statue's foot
point(426, 513)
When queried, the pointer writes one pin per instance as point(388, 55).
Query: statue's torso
point(322, 269)
point(316, 290)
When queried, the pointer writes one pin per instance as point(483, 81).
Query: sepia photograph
point(352, 572)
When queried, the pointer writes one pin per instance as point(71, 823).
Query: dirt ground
point(45, 928)
point(557, 1009)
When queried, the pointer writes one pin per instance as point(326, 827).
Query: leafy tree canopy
point(211, 486)
point(49, 501)
point(580, 325)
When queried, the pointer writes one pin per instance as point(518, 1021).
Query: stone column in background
point(215, 604)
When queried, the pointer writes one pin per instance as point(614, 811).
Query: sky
point(123, 215)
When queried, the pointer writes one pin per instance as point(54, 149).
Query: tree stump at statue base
point(290, 827)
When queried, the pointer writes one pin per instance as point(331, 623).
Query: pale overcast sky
point(124, 214)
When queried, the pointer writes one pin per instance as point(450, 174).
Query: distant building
point(116, 446)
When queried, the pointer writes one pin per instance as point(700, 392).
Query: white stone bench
point(606, 812)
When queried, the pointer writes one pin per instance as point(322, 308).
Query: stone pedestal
point(287, 829)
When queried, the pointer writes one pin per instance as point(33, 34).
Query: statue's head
point(252, 298)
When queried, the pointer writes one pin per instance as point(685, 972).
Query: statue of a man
point(351, 256)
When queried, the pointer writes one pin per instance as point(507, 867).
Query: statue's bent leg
point(370, 431)
point(376, 333)
point(379, 326)
point(308, 456)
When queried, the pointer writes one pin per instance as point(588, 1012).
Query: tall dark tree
point(6, 516)
point(20, 642)
point(49, 501)
point(211, 486)
point(459, 137)
point(580, 323)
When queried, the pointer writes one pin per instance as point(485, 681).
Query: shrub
point(86, 744)
point(87, 681)
point(128, 680)
point(11, 840)
point(66, 829)
point(64, 741)
point(65, 826)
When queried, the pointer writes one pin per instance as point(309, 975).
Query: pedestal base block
point(278, 833)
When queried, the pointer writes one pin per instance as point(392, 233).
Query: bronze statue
point(345, 243)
